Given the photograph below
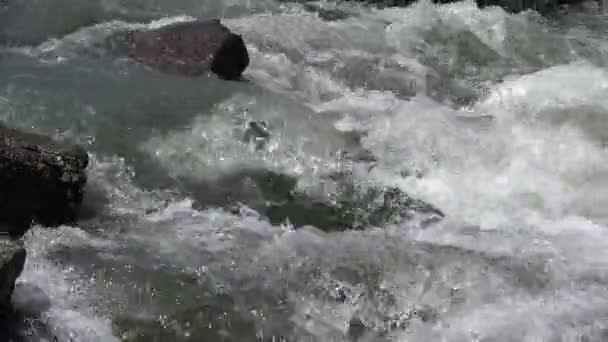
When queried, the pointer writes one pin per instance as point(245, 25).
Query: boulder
point(42, 180)
point(191, 48)
point(359, 209)
point(327, 13)
point(12, 260)
point(350, 206)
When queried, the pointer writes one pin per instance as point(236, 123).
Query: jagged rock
point(191, 48)
point(12, 260)
point(42, 180)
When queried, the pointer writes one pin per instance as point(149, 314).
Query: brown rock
point(191, 48)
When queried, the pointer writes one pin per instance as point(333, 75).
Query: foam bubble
point(73, 312)
point(215, 144)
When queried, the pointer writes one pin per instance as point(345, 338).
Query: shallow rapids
point(498, 120)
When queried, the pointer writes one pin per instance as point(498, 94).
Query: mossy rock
point(277, 197)
point(352, 207)
point(302, 211)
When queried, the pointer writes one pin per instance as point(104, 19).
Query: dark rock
point(252, 187)
point(351, 207)
point(191, 48)
point(12, 260)
point(347, 205)
point(42, 180)
point(273, 187)
point(356, 329)
point(426, 313)
point(301, 210)
point(395, 206)
point(257, 132)
point(328, 14)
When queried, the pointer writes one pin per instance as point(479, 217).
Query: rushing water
point(498, 120)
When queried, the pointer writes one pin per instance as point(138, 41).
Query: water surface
point(499, 120)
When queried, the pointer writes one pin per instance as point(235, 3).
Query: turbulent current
point(498, 120)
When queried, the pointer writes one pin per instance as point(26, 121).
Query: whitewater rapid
point(497, 119)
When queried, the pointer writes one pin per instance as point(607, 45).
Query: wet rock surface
point(191, 48)
point(42, 180)
point(352, 206)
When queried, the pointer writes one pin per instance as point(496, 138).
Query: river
point(498, 120)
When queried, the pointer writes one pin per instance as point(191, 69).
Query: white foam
point(215, 146)
point(72, 314)
point(520, 175)
point(524, 165)
point(563, 86)
point(507, 172)
point(114, 178)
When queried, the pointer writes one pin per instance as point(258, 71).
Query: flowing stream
point(498, 120)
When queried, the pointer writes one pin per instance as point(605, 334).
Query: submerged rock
point(350, 207)
point(328, 14)
point(12, 260)
point(301, 210)
point(191, 48)
point(184, 307)
point(257, 133)
point(338, 204)
point(42, 180)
